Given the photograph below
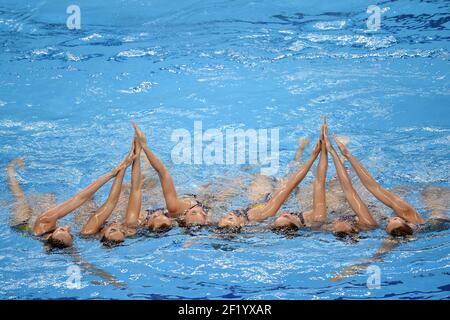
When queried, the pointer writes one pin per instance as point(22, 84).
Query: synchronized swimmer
point(195, 210)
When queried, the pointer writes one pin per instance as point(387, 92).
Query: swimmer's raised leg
point(47, 221)
point(365, 219)
point(319, 211)
point(336, 201)
point(282, 193)
point(92, 269)
point(175, 205)
point(22, 211)
point(98, 219)
point(135, 199)
point(401, 207)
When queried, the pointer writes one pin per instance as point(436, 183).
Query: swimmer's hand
point(341, 146)
point(140, 135)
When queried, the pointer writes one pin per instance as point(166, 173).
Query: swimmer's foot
point(20, 162)
point(303, 142)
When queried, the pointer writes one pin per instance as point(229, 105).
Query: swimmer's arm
point(174, 205)
point(282, 193)
point(390, 199)
point(23, 211)
point(47, 221)
point(97, 220)
point(365, 221)
point(135, 199)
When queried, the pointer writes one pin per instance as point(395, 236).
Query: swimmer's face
point(195, 216)
point(63, 236)
point(343, 228)
point(398, 227)
point(286, 221)
point(159, 220)
point(114, 233)
point(231, 220)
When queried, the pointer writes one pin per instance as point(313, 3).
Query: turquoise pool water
point(67, 98)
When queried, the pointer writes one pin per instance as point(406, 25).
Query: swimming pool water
point(67, 98)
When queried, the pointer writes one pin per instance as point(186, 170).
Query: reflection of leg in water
point(149, 179)
point(120, 209)
point(304, 196)
point(387, 246)
point(437, 199)
point(83, 213)
point(336, 201)
point(218, 194)
point(46, 201)
point(260, 187)
point(95, 271)
point(302, 143)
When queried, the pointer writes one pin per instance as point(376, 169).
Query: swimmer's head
point(287, 221)
point(61, 237)
point(157, 220)
point(342, 228)
point(113, 234)
point(232, 220)
point(196, 215)
point(398, 227)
